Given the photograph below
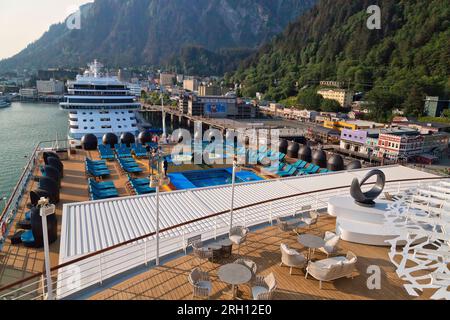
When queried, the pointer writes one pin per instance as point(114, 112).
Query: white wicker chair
point(201, 284)
point(289, 225)
point(238, 235)
point(331, 243)
point(251, 265)
point(332, 268)
point(264, 287)
point(291, 258)
point(310, 218)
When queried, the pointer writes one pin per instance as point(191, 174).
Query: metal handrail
point(143, 237)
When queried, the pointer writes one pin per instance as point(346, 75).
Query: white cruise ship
point(99, 104)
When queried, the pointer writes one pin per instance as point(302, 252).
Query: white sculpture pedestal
point(359, 224)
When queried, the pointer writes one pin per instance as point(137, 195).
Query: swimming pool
point(209, 178)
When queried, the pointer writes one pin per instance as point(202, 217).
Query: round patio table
point(311, 242)
point(234, 274)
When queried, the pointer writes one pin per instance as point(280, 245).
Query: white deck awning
point(92, 226)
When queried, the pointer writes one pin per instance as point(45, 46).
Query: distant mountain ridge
point(153, 32)
point(409, 56)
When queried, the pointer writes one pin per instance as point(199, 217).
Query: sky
point(25, 21)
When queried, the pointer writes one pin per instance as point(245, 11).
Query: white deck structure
point(92, 226)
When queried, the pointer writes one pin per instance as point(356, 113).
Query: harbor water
point(22, 126)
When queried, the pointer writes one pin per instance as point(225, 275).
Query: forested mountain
point(152, 32)
point(403, 61)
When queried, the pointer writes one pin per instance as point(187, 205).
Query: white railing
point(94, 269)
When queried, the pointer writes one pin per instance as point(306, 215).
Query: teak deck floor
point(170, 282)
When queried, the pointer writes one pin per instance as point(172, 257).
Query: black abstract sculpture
point(366, 199)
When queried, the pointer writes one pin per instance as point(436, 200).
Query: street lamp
point(236, 169)
point(157, 181)
point(46, 209)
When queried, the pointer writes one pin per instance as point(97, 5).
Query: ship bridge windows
point(100, 100)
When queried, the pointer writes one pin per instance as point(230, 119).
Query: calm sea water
point(22, 126)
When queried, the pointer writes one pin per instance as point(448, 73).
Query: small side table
point(311, 242)
point(227, 248)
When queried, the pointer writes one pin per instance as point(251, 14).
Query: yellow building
point(344, 97)
point(352, 125)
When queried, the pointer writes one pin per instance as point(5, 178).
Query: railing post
point(271, 213)
point(100, 267)
point(399, 187)
point(145, 252)
point(215, 228)
point(245, 218)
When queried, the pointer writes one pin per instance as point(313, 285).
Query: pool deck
point(17, 261)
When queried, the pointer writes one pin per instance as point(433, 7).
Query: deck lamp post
point(4, 202)
point(157, 181)
point(46, 209)
point(163, 118)
point(236, 169)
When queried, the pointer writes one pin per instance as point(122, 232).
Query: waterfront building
point(351, 124)
point(190, 85)
point(336, 84)
point(50, 87)
point(167, 79)
point(400, 143)
point(344, 97)
point(209, 90)
point(28, 93)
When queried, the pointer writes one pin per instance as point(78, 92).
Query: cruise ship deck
point(187, 213)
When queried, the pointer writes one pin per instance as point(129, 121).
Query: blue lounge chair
point(106, 153)
point(27, 238)
point(139, 150)
point(102, 185)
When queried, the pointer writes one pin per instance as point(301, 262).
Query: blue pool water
point(209, 178)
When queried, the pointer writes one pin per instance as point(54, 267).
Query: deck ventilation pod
point(283, 146)
point(335, 163)
point(127, 138)
point(110, 139)
point(89, 142)
point(145, 137)
point(319, 158)
point(356, 164)
point(292, 150)
point(305, 153)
